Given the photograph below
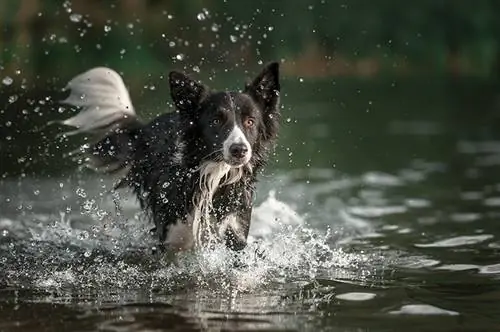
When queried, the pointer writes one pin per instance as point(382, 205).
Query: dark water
point(379, 212)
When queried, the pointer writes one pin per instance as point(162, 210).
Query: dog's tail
point(107, 117)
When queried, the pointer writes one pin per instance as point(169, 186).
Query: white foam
point(271, 215)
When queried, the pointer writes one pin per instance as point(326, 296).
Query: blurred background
point(356, 74)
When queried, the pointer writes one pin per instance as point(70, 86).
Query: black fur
point(162, 158)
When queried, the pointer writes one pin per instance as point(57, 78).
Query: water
point(376, 220)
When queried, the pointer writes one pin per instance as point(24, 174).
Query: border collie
point(194, 170)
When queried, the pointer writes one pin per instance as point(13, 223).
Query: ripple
point(492, 201)
point(381, 179)
point(390, 227)
point(490, 160)
point(468, 147)
point(377, 211)
point(471, 195)
point(372, 235)
point(356, 296)
point(490, 269)
point(465, 217)
point(411, 175)
point(456, 241)
point(424, 128)
point(418, 263)
point(417, 203)
point(422, 309)
point(458, 267)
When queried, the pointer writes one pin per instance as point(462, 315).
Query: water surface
point(378, 212)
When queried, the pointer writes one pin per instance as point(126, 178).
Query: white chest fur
point(200, 228)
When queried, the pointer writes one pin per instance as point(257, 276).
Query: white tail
point(104, 100)
point(107, 115)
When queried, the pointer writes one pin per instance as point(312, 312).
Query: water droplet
point(8, 123)
point(36, 192)
point(107, 28)
point(233, 38)
point(196, 69)
point(13, 99)
point(271, 28)
point(81, 192)
point(75, 17)
point(171, 44)
point(201, 16)
point(215, 27)
point(301, 80)
point(180, 56)
point(88, 204)
point(87, 254)
point(7, 80)
point(122, 51)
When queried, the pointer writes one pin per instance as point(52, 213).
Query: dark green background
point(352, 70)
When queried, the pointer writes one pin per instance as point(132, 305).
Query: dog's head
point(230, 126)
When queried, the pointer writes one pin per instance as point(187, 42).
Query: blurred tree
point(327, 37)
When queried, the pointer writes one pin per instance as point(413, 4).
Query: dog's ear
point(265, 88)
point(186, 92)
point(265, 91)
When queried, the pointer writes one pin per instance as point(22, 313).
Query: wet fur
point(174, 163)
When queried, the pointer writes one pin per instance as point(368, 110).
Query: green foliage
point(149, 36)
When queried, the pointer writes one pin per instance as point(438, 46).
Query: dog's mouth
point(237, 162)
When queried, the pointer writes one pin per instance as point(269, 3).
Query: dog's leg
point(235, 228)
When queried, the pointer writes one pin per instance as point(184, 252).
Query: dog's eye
point(249, 122)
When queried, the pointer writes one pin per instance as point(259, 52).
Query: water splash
point(113, 252)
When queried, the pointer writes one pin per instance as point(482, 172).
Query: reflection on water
point(361, 225)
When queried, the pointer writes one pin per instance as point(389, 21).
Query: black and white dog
point(193, 170)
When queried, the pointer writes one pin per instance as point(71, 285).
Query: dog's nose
point(238, 150)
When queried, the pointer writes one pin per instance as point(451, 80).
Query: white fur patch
point(236, 136)
point(212, 176)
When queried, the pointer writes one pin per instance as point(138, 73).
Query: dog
point(193, 170)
